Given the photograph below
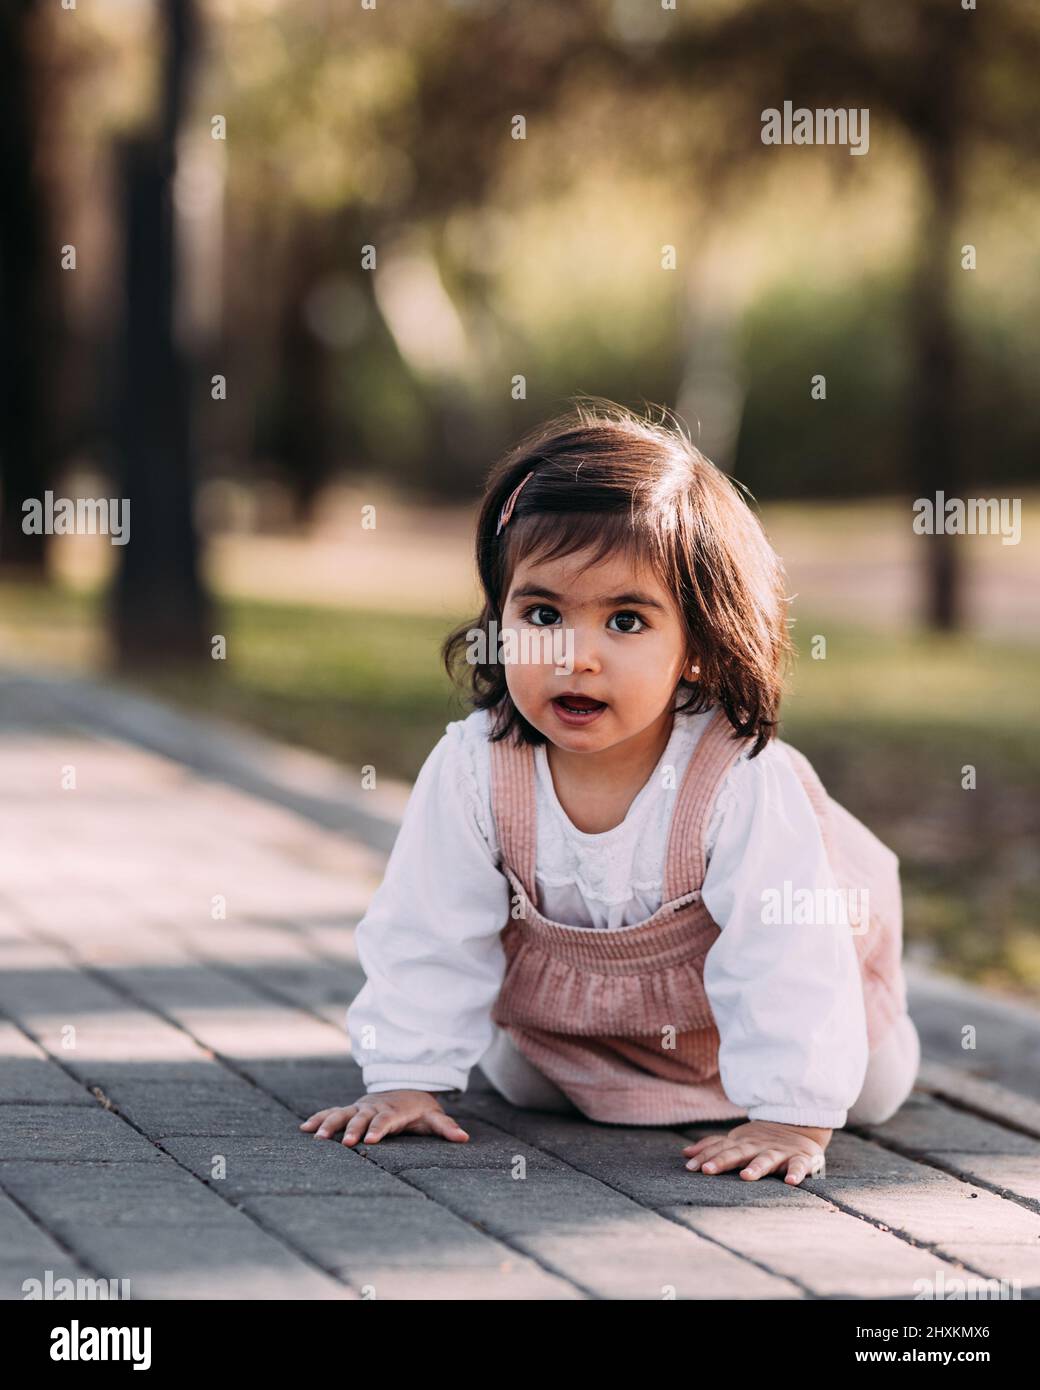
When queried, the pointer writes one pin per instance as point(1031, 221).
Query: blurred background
point(268, 265)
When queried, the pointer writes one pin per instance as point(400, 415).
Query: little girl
point(615, 888)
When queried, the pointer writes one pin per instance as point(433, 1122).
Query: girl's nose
point(586, 651)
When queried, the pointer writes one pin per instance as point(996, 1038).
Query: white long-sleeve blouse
point(787, 1000)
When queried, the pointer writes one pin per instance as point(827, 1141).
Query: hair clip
point(510, 503)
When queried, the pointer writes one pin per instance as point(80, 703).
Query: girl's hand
point(386, 1112)
point(768, 1145)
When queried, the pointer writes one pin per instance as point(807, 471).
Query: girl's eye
point(627, 618)
point(540, 608)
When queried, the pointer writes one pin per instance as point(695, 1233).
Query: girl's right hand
point(386, 1112)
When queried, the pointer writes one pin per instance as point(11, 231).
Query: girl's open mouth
point(574, 709)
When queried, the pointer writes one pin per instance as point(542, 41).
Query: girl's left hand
point(768, 1145)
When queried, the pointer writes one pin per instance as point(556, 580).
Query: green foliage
point(851, 444)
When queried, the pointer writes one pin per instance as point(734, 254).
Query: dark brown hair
point(609, 480)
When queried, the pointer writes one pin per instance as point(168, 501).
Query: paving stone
point(74, 1133)
point(307, 1087)
point(29, 1081)
point(41, 980)
point(184, 988)
point(243, 1036)
point(645, 1163)
point(849, 1156)
point(518, 1280)
point(487, 1147)
point(28, 1251)
point(64, 1195)
point(167, 1108)
point(203, 1070)
point(825, 1251)
point(1014, 1174)
point(943, 1208)
point(1019, 1265)
point(1007, 1033)
point(294, 1164)
point(600, 1239)
point(204, 1262)
point(372, 1241)
point(924, 1125)
point(128, 1038)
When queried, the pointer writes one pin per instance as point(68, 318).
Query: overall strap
point(513, 807)
point(714, 754)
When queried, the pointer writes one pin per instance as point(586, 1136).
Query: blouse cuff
point(388, 1076)
point(803, 1115)
point(378, 1086)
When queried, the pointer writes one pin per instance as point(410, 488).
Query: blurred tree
point(959, 84)
point(951, 81)
point(305, 424)
point(160, 609)
point(28, 267)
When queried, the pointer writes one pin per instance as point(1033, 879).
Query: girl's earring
point(694, 670)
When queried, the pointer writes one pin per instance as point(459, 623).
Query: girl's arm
point(429, 943)
point(787, 996)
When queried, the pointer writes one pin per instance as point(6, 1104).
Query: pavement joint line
point(933, 1159)
point(540, 1263)
point(875, 1222)
point(306, 1255)
point(922, 1160)
point(103, 976)
point(982, 1111)
point(931, 1247)
point(119, 987)
point(274, 1234)
point(81, 1260)
point(261, 987)
point(216, 750)
point(248, 1215)
point(252, 978)
point(98, 973)
point(928, 1161)
point(654, 1211)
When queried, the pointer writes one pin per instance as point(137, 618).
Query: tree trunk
point(304, 429)
point(935, 432)
point(161, 613)
point(25, 300)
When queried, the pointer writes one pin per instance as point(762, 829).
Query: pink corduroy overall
point(619, 1019)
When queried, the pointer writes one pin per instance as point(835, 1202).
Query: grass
point(889, 721)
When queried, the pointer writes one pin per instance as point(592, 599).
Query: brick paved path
point(156, 1058)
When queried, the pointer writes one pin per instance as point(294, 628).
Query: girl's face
point(622, 634)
